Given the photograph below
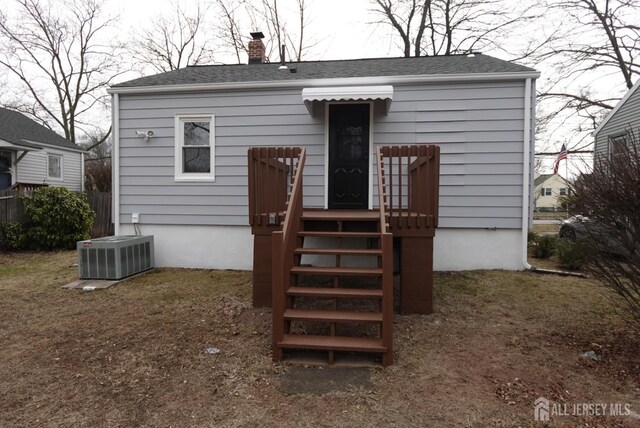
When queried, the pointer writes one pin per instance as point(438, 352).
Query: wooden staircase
point(342, 309)
point(328, 274)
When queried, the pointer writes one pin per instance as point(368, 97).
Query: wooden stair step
point(336, 271)
point(340, 251)
point(335, 292)
point(332, 316)
point(343, 215)
point(332, 343)
point(340, 234)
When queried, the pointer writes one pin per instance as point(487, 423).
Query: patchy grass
point(133, 355)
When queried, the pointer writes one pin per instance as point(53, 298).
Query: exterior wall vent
point(115, 257)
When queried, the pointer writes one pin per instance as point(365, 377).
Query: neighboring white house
point(615, 128)
point(181, 141)
point(548, 188)
point(33, 154)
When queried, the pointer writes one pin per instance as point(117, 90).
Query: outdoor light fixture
point(144, 134)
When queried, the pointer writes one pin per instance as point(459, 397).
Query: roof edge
point(346, 81)
point(77, 149)
point(616, 108)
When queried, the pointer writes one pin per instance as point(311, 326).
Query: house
point(192, 196)
point(299, 156)
point(614, 129)
point(31, 154)
point(548, 188)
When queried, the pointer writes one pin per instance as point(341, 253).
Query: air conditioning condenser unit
point(115, 257)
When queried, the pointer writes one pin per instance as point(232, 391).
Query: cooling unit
point(115, 257)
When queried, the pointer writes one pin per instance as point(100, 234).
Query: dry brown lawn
point(133, 355)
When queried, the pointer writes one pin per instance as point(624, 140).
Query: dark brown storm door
point(349, 156)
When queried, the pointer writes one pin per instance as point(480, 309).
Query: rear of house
point(181, 140)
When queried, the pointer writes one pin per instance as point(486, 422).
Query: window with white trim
point(545, 191)
point(54, 167)
point(194, 155)
point(563, 191)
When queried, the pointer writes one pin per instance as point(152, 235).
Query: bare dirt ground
point(133, 355)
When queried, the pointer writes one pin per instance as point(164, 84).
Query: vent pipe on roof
point(256, 48)
point(283, 66)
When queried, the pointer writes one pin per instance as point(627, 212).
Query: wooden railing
point(386, 263)
point(284, 243)
point(271, 176)
point(410, 175)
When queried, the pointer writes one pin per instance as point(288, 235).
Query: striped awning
point(347, 93)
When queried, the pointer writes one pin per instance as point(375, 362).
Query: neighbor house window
point(563, 191)
point(194, 155)
point(54, 167)
point(617, 145)
point(545, 191)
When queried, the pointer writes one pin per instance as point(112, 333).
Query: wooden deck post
point(262, 265)
point(416, 275)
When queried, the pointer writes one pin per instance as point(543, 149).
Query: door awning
point(348, 93)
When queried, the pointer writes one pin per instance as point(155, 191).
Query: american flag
point(562, 155)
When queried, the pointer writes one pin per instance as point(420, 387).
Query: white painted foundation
point(468, 249)
point(231, 247)
point(209, 247)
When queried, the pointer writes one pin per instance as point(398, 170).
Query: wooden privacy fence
point(12, 209)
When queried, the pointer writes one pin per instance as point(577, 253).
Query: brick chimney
point(256, 48)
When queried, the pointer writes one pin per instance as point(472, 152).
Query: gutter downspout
point(526, 170)
point(115, 106)
point(526, 187)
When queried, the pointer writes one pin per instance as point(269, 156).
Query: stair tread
point(332, 316)
point(341, 251)
point(346, 215)
point(335, 292)
point(335, 234)
point(317, 270)
point(338, 343)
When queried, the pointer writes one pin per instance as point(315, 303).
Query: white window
point(194, 157)
point(54, 167)
point(563, 191)
point(545, 191)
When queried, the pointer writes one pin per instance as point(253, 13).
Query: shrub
point(57, 218)
point(544, 246)
point(12, 236)
point(531, 237)
point(611, 196)
point(572, 254)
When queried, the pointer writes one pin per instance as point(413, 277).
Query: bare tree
point(446, 27)
point(599, 38)
point(230, 27)
point(57, 62)
point(240, 17)
point(97, 170)
point(175, 41)
point(611, 198)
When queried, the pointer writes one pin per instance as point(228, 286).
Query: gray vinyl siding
point(32, 168)
point(627, 117)
point(479, 126)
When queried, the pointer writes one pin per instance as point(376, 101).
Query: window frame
point(60, 163)
point(543, 191)
point(615, 140)
point(564, 191)
point(180, 120)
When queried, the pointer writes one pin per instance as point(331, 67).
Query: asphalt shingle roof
point(454, 64)
point(15, 128)
point(541, 179)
